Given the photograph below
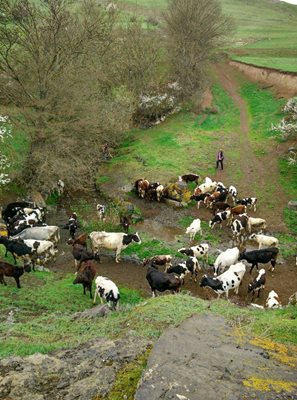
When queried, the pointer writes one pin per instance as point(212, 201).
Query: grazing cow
point(189, 178)
point(230, 279)
point(258, 283)
point(238, 227)
point(233, 193)
point(117, 241)
point(141, 186)
point(194, 228)
point(125, 223)
point(17, 248)
point(48, 232)
point(180, 269)
point(158, 260)
point(220, 217)
point(199, 251)
point(107, 290)
point(263, 256)
point(101, 211)
point(225, 259)
point(273, 300)
point(256, 222)
point(161, 281)
point(13, 271)
point(264, 240)
point(85, 276)
point(248, 201)
point(199, 198)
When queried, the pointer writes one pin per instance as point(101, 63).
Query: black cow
point(162, 281)
point(263, 256)
point(189, 178)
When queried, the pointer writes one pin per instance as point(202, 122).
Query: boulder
point(292, 204)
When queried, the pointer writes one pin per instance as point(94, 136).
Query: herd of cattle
point(32, 240)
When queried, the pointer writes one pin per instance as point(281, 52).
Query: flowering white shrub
point(5, 131)
point(288, 125)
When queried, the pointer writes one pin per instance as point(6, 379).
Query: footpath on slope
point(201, 360)
point(257, 171)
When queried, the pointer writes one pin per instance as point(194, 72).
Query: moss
point(279, 352)
point(267, 385)
point(127, 379)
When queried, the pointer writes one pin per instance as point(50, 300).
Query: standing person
point(220, 159)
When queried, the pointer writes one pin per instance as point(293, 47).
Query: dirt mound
point(284, 83)
point(202, 360)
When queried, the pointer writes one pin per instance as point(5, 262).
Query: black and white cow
point(258, 283)
point(199, 198)
point(117, 241)
point(199, 251)
point(161, 281)
point(180, 269)
point(107, 290)
point(248, 201)
point(219, 218)
point(239, 226)
point(101, 211)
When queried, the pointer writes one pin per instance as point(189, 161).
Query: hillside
point(265, 32)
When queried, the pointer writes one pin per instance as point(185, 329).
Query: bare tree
point(195, 31)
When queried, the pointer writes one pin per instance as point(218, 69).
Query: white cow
point(117, 241)
point(225, 259)
point(273, 300)
point(49, 232)
point(44, 249)
point(194, 228)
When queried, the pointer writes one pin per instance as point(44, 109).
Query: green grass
point(264, 110)
point(287, 64)
point(227, 116)
point(290, 217)
point(288, 177)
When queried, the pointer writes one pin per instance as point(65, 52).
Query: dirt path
point(258, 172)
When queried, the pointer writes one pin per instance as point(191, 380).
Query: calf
point(85, 276)
point(248, 201)
point(159, 260)
point(80, 239)
point(161, 281)
point(81, 254)
point(189, 178)
point(199, 251)
point(258, 283)
point(263, 256)
point(273, 300)
point(193, 265)
point(219, 206)
point(141, 187)
point(180, 269)
point(13, 271)
point(194, 228)
point(125, 223)
point(219, 218)
point(238, 227)
point(101, 211)
point(107, 290)
point(225, 259)
point(264, 240)
point(199, 198)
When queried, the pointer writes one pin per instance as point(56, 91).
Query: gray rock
point(96, 312)
point(292, 205)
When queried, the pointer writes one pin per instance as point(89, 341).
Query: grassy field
point(42, 320)
point(265, 33)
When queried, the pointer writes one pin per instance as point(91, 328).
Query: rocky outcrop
point(201, 359)
point(82, 373)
